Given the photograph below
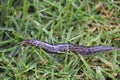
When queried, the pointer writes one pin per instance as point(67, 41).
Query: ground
point(83, 22)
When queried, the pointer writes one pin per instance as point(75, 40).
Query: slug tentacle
point(60, 48)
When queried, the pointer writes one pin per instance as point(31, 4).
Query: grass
point(80, 22)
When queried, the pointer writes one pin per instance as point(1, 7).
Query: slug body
point(60, 48)
point(47, 47)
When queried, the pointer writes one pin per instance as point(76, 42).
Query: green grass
point(82, 22)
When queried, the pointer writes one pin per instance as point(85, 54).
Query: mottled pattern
point(90, 50)
point(60, 48)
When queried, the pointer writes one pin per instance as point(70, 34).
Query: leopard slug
point(61, 48)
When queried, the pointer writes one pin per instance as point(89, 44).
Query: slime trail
point(60, 48)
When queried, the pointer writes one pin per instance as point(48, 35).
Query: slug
point(61, 48)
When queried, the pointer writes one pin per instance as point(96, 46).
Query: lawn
point(83, 22)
